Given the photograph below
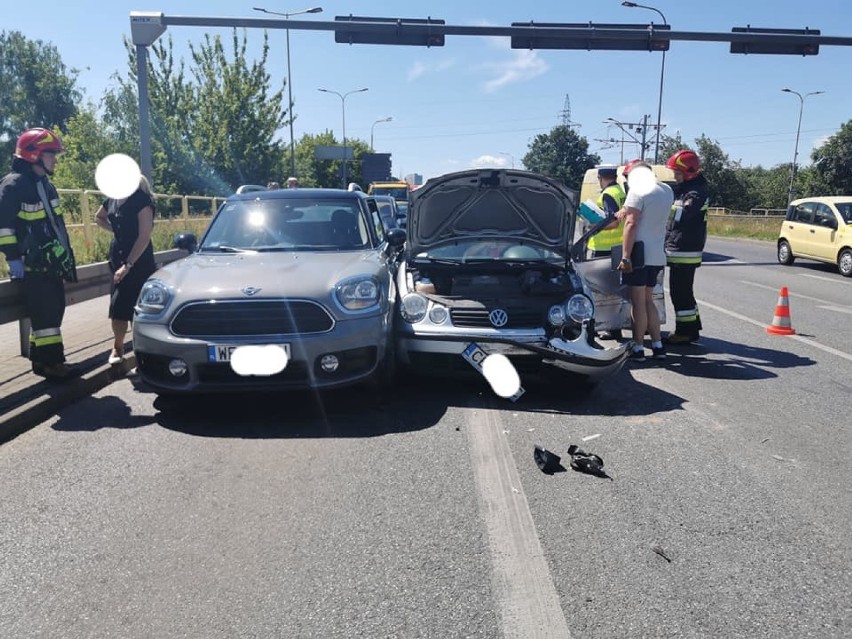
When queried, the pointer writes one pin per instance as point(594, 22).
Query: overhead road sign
point(591, 36)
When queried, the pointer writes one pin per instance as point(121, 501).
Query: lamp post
point(387, 119)
point(509, 155)
point(662, 77)
point(290, 79)
point(342, 97)
point(801, 97)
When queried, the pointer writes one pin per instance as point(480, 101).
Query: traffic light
point(589, 36)
point(764, 45)
point(408, 31)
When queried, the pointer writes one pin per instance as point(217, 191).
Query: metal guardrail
point(93, 280)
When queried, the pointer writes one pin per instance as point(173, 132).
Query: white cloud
point(488, 161)
point(419, 69)
point(522, 66)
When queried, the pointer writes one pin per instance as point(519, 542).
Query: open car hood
point(491, 204)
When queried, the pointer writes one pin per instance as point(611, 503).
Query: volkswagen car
point(487, 268)
point(288, 288)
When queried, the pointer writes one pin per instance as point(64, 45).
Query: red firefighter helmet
point(33, 142)
point(686, 162)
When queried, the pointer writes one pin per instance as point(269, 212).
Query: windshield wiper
point(228, 249)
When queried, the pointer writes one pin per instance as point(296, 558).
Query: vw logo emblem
point(498, 317)
point(251, 290)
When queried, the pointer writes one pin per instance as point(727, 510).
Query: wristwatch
point(128, 264)
point(626, 260)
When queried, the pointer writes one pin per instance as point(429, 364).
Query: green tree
point(36, 89)
point(831, 173)
point(669, 145)
point(561, 154)
point(234, 117)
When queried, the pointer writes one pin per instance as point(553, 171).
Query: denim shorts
point(644, 276)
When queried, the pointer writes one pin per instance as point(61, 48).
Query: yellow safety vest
point(606, 239)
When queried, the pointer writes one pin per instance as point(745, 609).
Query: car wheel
point(785, 253)
point(844, 262)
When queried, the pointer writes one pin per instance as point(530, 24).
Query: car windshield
point(290, 224)
point(845, 209)
point(476, 250)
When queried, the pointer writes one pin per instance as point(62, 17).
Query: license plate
point(223, 352)
point(474, 355)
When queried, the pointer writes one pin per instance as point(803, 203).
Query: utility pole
point(641, 128)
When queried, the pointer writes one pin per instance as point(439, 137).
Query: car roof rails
point(250, 188)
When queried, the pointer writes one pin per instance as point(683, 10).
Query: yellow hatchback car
point(818, 228)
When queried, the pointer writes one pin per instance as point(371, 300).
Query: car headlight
point(438, 314)
point(154, 298)
point(413, 307)
point(358, 293)
point(556, 315)
point(580, 308)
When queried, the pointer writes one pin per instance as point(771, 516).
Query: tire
point(785, 253)
point(844, 262)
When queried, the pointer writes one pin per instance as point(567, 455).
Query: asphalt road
point(302, 516)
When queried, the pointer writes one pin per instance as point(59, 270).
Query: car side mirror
point(186, 241)
point(396, 237)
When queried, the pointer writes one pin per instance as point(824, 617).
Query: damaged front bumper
point(582, 355)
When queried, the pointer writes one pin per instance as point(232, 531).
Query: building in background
point(413, 179)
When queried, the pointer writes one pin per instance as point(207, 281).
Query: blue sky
point(477, 102)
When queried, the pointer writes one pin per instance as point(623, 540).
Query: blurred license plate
point(474, 355)
point(223, 352)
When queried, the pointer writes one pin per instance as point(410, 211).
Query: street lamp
point(387, 119)
point(342, 97)
point(662, 76)
point(290, 78)
point(798, 130)
point(509, 155)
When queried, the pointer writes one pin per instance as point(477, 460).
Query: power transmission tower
point(565, 114)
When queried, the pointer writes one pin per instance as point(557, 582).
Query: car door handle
point(813, 231)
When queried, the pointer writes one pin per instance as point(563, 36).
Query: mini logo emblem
point(251, 290)
point(498, 317)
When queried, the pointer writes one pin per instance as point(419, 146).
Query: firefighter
point(35, 242)
point(686, 233)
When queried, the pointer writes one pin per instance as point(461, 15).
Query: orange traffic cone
point(781, 322)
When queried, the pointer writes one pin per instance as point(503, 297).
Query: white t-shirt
point(654, 209)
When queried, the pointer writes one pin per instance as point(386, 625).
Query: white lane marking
point(838, 309)
point(818, 300)
point(526, 597)
point(798, 338)
point(833, 280)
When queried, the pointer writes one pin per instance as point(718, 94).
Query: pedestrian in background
point(131, 256)
point(645, 213)
point(273, 186)
point(35, 242)
point(686, 234)
point(292, 183)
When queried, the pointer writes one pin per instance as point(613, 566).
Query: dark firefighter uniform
point(26, 233)
point(686, 233)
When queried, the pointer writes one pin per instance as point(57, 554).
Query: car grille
point(478, 318)
point(246, 318)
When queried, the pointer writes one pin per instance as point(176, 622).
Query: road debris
point(588, 463)
point(662, 553)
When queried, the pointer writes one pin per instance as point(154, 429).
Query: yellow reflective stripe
point(32, 216)
point(8, 240)
point(45, 341)
point(683, 260)
point(46, 331)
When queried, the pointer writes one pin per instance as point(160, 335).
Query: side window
point(804, 213)
point(824, 216)
point(376, 219)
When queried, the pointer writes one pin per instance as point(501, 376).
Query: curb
point(29, 415)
